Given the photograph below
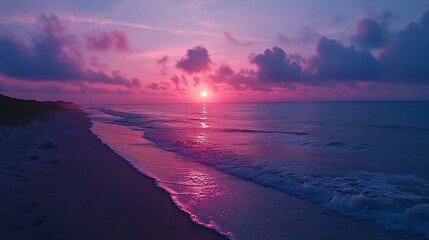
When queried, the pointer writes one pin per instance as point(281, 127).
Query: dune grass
point(17, 111)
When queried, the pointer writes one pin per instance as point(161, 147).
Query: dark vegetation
point(17, 111)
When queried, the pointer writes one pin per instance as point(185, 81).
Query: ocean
point(325, 170)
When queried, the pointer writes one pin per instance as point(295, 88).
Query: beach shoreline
point(59, 181)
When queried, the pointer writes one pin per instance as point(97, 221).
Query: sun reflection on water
point(201, 137)
point(200, 184)
point(204, 118)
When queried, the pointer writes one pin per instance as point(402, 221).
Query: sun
point(204, 94)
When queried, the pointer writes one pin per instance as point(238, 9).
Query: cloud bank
point(53, 55)
point(334, 61)
point(403, 58)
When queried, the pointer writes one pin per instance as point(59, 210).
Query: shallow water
point(278, 170)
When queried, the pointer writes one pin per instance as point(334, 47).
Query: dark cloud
point(184, 80)
point(277, 66)
point(52, 56)
point(406, 58)
point(116, 78)
point(52, 25)
point(179, 82)
point(197, 81)
point(163, 63)
point(334, 61)
point(370, 34)
point(163, 86)
point(230, 38)
point(243, 80)
point(175, 79)
point(385, 16)
point(97, 90)
point(277, 69)
point(153, 86)
point(156, 88)
point(373, 32)
point(197, 60)
point(104, 41)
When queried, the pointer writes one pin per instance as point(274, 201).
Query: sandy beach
point(58, 181)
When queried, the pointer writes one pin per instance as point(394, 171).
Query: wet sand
point(58, 181)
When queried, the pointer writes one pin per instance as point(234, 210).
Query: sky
point(134, 51)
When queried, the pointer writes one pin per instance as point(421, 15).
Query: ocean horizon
point(277, 170)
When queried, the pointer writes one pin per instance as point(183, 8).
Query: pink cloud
point(197, 60)
point(104, 41)
point(163, 63)
point(230, 38)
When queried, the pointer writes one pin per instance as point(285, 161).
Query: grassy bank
point(17, 111)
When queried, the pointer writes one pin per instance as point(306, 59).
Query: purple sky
point(134, 51)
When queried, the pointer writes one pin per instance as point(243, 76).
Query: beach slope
point(58, 181)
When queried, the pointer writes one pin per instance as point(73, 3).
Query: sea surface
point(328, 170)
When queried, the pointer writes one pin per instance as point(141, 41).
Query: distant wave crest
point(261, 131)
point(385, 126)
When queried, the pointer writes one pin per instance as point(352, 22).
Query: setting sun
point(204, 94)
